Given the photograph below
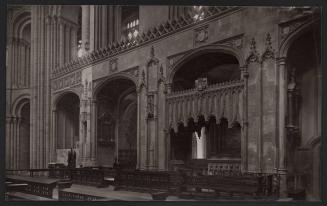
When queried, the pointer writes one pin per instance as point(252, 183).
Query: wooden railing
point(142, 180)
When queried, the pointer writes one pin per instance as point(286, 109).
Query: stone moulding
point(152, 34)
point(67, 81)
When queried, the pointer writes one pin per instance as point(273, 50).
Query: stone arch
point(288, 41)
point(110, 78)
point(20, 21)
point(206, 49)
point(18, 103)
point(66, 119)
point(59, 96)
point(116, 134)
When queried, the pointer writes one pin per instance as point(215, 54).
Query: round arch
point(206, 49)
point(20, 21)
point(59, 96)
point(18, 104)
point(106, 80)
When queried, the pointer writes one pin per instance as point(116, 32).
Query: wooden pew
point(241, 186)
point(35, 185)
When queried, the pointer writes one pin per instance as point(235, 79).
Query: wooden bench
point(142, 181)
point(16, 187)
point(39, 186)
point(87, 176)
point(25, 196)
point(245, 186)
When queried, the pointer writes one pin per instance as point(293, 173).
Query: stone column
point(86, 28)
point(14, 143)
point(67, 40)
point(7, 148)
point(117, 27)
point(138, 165)
point(19, 120)
point(244, 141)
point(104, 24)
point(61, 42)
point(53, 141)
point(73, 40)
point(93, 131)
point(282, 104)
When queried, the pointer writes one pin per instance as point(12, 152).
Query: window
point(130, 22)
point(198, 13)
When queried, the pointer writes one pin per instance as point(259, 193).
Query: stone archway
point(197, 84)
point(117, 123)
point(303, 107)
point(67, 114)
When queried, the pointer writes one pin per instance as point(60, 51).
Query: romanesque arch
point(18, 135)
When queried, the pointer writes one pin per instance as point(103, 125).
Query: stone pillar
point(19, 120)
point(67, 45)
point(8, 133)
point(93, 131)
point(86, 28)
point(282, 104)
point(117, 23)
point(138, 165)
point(53, 141)
point(104, 24)
point(61, 42)
point(244, 141)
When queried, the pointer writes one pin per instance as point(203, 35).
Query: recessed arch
point(203, 50)
point(59, 96)
point(288, 41)
point(106, 80)
point(116, 117)
point(18, 103)
point(67, 112)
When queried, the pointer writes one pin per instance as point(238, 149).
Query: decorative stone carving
point(173, 59)
point(113, 65)
point(201, 84)
point(67, 81)
point(133, 71)
point(235, 41)
point(289, 27)
point(254, 55)
point(201, 35)
point(153, 59)
point(124, 45)
point(150, 106)
point(269, 52)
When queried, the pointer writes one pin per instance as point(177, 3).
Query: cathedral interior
point(169, 102)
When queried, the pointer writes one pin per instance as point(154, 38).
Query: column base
point(282, 183)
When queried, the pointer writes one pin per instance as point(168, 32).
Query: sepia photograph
point(163, 103)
